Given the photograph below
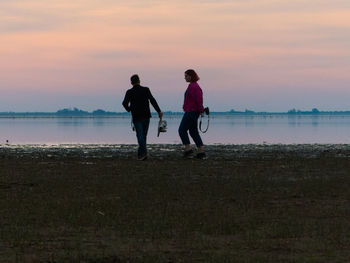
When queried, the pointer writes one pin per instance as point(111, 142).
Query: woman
point(193, 108)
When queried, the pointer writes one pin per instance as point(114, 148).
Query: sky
point(262, 55)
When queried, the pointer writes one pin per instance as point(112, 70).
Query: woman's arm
point(197, 96)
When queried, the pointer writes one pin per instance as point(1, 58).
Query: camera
point(162, 126)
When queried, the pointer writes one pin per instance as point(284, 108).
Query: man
point(137, 101)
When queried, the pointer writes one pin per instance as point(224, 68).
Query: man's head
point(135, 80)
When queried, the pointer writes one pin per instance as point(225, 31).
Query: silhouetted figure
point(193, 108)
point(137, 101)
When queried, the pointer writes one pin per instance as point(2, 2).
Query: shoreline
point(165, 151)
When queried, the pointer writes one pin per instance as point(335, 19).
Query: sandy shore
point(245, 203)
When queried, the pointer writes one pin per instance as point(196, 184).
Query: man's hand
point(202, 114)
point(160, 114)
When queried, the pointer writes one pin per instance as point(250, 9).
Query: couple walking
point(137, 101)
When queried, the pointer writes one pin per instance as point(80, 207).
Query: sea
point(223, 129)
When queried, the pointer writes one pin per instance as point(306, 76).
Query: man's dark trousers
point(141, 128)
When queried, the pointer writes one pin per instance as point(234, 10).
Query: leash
point(206, 111)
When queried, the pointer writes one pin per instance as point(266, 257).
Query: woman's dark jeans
point(190, 123)
point(141, 128)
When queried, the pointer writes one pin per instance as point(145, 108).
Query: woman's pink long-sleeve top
point(193, 99)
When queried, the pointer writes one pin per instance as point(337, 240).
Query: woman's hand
point(160, 114)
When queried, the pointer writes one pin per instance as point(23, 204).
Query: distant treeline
point(75, 112)
point(314, 111)
point(64, 113)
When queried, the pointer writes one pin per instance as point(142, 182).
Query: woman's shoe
point(201, 156)
point(188, 154)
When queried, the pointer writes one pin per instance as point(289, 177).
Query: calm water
point(223, 129)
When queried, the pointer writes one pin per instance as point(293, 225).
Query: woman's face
point(187, 78)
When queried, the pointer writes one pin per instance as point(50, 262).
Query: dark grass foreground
point(250, 203)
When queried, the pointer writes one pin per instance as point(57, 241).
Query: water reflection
point(73, 121)
point(315, 120)
point(237, 129)
point(292, 120)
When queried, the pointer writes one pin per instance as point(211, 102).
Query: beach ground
point(245, 203)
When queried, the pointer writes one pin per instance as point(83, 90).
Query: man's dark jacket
point(138, 97)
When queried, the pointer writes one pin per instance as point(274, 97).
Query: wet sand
point(245, 203)
point(170, 151)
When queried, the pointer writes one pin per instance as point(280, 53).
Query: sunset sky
point(264, 55)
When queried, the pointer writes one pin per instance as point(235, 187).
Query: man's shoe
point(142, 158)
point(188, 154)
point(201, 156)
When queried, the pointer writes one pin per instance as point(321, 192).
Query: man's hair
point(135, 79)
point(192, 74)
